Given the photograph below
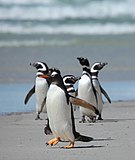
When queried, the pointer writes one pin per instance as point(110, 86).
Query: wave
point(33, 43)
point(79, 29)
point(69, 17)
point(43, 11)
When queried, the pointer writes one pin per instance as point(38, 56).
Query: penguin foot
point(100, 117)
point(83, 120)
point(93, 119)
point(38, 118)
point(53, 141)
point(47, 130)
point(71, 145)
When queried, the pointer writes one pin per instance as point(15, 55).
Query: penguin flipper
point(83, 138)
point(30, 93)
point(105, 94)
point(83, 103)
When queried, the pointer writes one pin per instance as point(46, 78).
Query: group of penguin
point(57, 96)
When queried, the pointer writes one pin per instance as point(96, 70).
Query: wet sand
point(22, 138)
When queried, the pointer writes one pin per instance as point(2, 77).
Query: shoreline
point(23, 138)
point(117, 102)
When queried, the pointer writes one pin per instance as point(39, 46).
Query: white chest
point(59, 112)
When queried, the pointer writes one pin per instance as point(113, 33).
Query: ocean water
point(12, 95)
point(19, 19)
point(57, 31)
point(12, 98)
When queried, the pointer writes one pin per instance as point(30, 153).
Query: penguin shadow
point(95, 146)
point(92, 146)
point(88, 147)
point(84, 147)
point(79, 147)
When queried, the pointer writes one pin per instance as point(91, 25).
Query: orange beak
point(44, 76)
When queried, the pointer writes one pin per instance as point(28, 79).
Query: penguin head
point(70, 79)
point(41, 67)
point(96, 67)
point(51, 70)
point(53, 76)
point(83, 61)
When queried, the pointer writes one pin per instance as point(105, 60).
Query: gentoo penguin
point(59, 110)
point(69, 80)
point(40, 88)
point(95, 68)
point(86, 90)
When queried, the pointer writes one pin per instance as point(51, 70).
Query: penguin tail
point(83, 138)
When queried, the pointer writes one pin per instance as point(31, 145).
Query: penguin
point(95, 68)
point(40, 88)
point(86, 90)
point(69, 81)
point(59, 110)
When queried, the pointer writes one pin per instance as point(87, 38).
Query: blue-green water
point(12, 95)
point(12, 98)
point(53, 17)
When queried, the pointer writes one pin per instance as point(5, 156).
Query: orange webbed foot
point(53, 141)
point(71, 145)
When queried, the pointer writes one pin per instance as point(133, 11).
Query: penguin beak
point(44, 76)
point(105, 63)
point(102, 65)
point(79, 58)
point(33, 64)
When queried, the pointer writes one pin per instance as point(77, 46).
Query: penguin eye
point(53, 74)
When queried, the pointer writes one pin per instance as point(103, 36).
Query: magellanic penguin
point(95, 68)
point(40, 88)
point(59, 110)
point(86, 90)
point(69, 81)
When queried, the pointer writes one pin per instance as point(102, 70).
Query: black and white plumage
point(95, 68)
point(59, 110)
point(86, 90)
point(40, 88)
point(69, 81)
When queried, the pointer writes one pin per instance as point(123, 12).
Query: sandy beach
point(22, 138)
